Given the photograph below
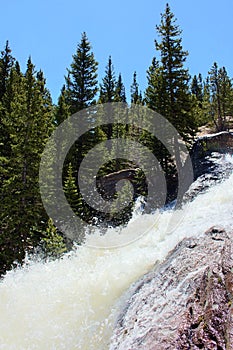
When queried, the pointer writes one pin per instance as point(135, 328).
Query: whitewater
point(73, 303)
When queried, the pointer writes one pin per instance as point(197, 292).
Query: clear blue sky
point(49, 31)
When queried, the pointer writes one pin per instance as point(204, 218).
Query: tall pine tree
point(27, 119)
point(108, 86)
point(6, 63)
point(81, 82)
point(136, 96)
point(120, 90)
point(221, 96)
point(81, 90)
point(173, 78)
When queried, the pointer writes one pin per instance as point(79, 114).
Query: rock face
point(221, 142)
point(215, 168)
point(185, 302)
point(212, 161)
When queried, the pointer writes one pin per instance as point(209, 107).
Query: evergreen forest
point(28, 116)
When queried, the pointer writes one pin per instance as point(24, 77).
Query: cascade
point(72, 303)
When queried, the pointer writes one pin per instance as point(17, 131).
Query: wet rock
point(215, 168)
point(183, 303)
point(204, 146)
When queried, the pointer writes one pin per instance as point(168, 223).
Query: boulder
point(185, 302)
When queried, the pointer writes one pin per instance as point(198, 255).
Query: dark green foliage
point(155, 94)
point(168, 93)
point(71, 190)
point(220, 97)
point(80, 93)
point(81, 82)
point(200, 98)
point(52, 243)
point(6, 63)
point(62, 111)
point(136, 96)
point(197, 88)
point(27, 119)
point(119, 91)
point(108, 86)
point(173, 78)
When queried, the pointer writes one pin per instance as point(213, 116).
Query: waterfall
point(72, 303)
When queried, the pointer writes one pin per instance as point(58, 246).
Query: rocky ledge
point(184, 302)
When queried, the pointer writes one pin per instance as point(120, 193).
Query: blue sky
point(49, 31)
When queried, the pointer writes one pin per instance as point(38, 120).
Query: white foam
point(69, 303)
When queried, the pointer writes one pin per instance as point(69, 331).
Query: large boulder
point(185, 302)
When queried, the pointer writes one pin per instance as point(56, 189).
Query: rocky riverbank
point(184, 302)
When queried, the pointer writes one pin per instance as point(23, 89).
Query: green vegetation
point(28, 117)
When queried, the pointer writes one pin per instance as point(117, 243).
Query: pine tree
point(197, 88)
point(216, 104)
point(62, 111)
point(27, 118)
point(221, 96)
point(226, 97)
point(174, 78)
point(136, 96)
point(6, 63)
point(120, 91)
point(52, 242)
point(81, 82)
point(168, 93)
point(197, 91)
point(80, 92)
point(156, 94)
point(71, 190)
point(108, 86)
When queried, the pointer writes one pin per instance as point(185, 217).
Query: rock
point(108, 182)
point(215, 168)
point(221, 142)
point(183, 303)
point(212, 161)
point(207, 158)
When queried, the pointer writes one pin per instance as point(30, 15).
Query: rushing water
point(72, 303)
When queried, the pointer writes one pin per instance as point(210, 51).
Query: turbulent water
point(72, 303)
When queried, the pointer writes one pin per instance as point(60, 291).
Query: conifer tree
point(62, 111)
point(71, 190)
point(136, 96)
point(174, 78)
point(80, 92)
point(120, 91)
point(81, 82)
point(220, 97)
point(28, 120)
point(197, 91)
point(52, 242)
point(168, 92)
point(108, 86)
point(6, 63)
point(156, 93)
point(226, 96)
point(197, 88)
